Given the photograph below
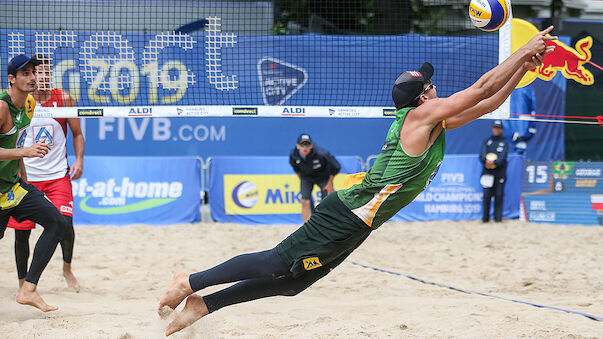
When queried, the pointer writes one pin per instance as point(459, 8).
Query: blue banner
point(262, 190)
point(137, 190)
point(456, 194)
point(108, 68)
point(563, 192)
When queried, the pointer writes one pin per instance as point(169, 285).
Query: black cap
point(19, 62)
point(410, 84)
point(497, 123)
point(304, 137)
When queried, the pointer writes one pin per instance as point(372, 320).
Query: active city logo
point(279, 80)
point(245, 194)
point(110, 197)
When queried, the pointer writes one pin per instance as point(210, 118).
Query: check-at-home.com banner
point(137, 190)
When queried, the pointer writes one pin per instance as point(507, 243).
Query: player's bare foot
point(28, 295)
point(72, 282)
point(179, 289)
point(194, 309)
point(21, 281)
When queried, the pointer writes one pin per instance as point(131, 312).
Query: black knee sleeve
point(68, 240)
point(22, 251)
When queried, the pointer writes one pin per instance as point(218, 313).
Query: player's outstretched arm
point(493, 102)
point(488, 85)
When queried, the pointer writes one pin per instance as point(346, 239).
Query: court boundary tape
point(590, 316)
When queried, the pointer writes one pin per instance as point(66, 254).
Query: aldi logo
point(279, 80)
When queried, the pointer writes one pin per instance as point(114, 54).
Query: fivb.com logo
point(111, 197)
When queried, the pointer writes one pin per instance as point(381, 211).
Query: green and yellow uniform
point(395, 179)
point(343, 220)
point(9, 169)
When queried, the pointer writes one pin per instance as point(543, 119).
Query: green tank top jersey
point(21, 118)
point(395, 179)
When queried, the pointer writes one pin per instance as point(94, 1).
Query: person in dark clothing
point(493, 156)
point(313, 165)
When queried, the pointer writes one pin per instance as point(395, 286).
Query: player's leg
point(197, 307)
point(67, 249)
point(59, 192)
point(247, 266)
point(37, 208)
point(4, 216)
point(499, 187)
point(22, 253)
point(22, 234)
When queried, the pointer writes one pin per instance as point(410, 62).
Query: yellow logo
point(247, 194)
point(311, 263)
point(13, 197)
point(30, 105)
point(565, 59)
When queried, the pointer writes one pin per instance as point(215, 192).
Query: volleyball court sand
point(124, 271)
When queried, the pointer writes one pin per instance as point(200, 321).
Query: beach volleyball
point(489, 15)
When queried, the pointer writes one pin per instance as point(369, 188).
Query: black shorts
point(331, 234)
point(25, 202)
point(307, 184)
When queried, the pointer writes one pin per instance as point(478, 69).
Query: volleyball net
point(225, 58)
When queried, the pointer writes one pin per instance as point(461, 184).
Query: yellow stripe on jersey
point(368, 211)
point(353, 179)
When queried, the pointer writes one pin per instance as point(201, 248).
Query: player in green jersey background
point(410, 158)
point(19, 199)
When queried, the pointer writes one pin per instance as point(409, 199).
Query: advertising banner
point(141, 70)
point(456, 193)
point(262, 190)
point(137, 190)
point(563, 192)
point(258, 190)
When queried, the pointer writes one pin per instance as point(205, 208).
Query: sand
point(124, 271)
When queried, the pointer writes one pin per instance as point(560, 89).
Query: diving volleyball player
point(408, 162)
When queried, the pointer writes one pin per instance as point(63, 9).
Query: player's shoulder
point(4, 107)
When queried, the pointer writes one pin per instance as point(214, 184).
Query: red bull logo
point(570, 62)
point(565, 59)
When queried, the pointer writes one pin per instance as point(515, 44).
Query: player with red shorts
point(51, 174)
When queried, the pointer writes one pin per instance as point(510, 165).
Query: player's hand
point(76, 170)
point(538, 43)
point(39, 149)
point(534, 62)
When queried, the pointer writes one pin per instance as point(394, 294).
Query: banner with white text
point(137, 190)
point(262, 190)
